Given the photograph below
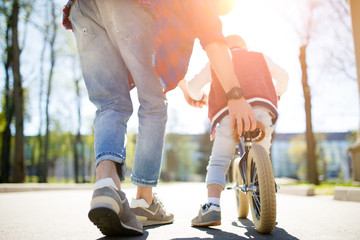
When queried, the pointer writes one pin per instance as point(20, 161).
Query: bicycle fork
point(243, 168)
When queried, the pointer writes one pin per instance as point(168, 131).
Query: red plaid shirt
point(178, 24)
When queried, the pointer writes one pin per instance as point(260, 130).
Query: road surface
point(62, 214)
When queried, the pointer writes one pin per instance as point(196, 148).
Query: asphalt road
point(62, 214)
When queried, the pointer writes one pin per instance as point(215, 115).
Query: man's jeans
point(224, 146)
point(114, 37)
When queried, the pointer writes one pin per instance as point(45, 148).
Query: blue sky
point(335, 100)
point(266, 26)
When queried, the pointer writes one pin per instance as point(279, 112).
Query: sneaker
point(154, 214)
point(111, 213)
point(209, 215)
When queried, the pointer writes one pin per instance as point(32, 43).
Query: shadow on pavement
point(216, 233)
point(143, 237)
point(245, 224)
point(277, 233)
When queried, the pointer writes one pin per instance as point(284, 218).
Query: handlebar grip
point(256, 136)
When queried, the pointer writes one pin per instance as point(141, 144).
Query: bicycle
point(254, 182)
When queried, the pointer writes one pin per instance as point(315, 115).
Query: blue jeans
point(115, 38)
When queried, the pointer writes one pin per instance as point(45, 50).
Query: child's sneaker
point(209, 215)
point(154, 214)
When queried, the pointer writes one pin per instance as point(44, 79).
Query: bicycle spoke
point(254, 176)
point(257, 206)
point(255, 184)
point(257, 201)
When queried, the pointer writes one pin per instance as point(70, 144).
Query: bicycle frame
point(244, 152)
point(243, 164)
point(252, 170)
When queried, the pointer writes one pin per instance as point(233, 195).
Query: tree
point(355, 5)
point(312, 174)
point(78, 146)
point(8, 107)
point(19, 154)
point(205, 146)
point(306, 32)
point(53, 33)
point(297, 153)
point(45, 34)
point(14, 93)
point(178, 151)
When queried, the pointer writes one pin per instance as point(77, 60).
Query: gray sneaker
point(110, 212)
point(154, 214)
point(209, 215)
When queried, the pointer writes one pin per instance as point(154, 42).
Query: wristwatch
point(235, 93)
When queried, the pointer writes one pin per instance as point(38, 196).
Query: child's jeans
point(224, 146)
point(114, 37)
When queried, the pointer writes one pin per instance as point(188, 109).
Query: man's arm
point(241, 113)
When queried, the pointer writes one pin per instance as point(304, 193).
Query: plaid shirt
point(178, 24)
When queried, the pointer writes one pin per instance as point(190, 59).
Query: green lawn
point(326, 188)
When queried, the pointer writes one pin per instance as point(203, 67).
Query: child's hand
point(189, 100)
point(197, 104)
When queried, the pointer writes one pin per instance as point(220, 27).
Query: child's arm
point(199, 104)
point(195, 85)
point(279, 74)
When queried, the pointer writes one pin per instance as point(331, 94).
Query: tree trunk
point(51, 71)
point(41, 163)
point(312, 174)
point(76, 159)
point(19, 170)
point(355, 19)
point(9, 112)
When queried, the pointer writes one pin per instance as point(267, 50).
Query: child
point(255, 72)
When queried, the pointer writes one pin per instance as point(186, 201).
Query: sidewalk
point(25, 187)
point(340, 193)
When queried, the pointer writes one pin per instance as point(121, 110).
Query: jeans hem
point(118, 159)
point(144, 183)
point(215, 182)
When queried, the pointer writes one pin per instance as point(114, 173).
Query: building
point(289, 158)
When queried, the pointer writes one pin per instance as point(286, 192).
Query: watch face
point(235, 93)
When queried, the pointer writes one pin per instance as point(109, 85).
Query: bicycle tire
point(242, 202)
point(263, 200)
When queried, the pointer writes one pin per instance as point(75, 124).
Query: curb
point(27, 187)
point(347, 194)
point(301, 190)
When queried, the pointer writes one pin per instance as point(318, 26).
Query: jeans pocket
point(82, 24)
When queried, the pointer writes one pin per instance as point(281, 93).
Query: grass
point(326, 187)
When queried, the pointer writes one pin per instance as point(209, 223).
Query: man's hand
point(242, 116)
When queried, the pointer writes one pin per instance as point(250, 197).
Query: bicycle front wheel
point(262, 189)
point(242, 202)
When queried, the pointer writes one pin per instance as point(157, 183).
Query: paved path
point(62, 214)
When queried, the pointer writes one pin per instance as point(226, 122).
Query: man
point(115, 41)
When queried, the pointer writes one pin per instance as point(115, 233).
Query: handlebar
point(256, 136)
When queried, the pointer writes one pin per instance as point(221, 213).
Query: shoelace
point(206, 206)
point(157, 200)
